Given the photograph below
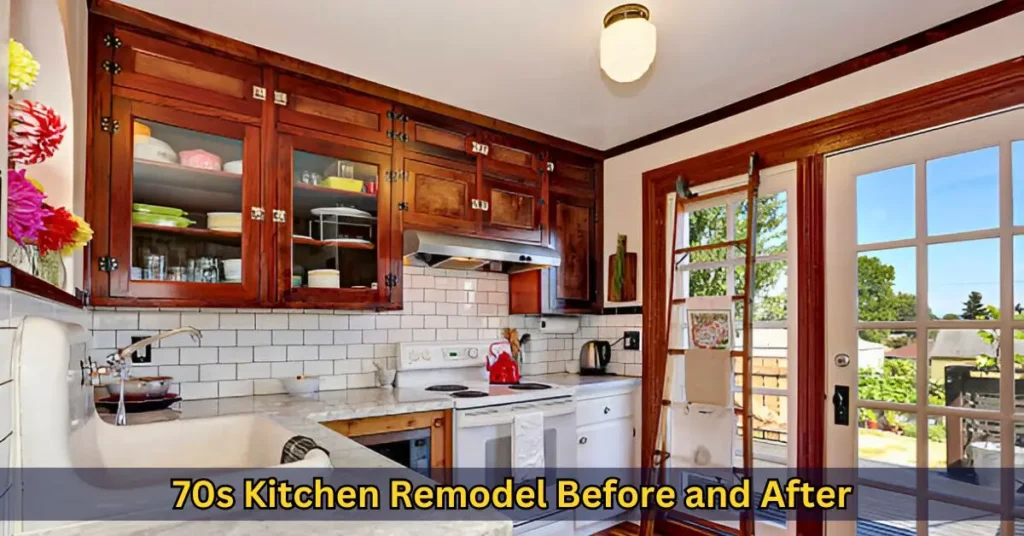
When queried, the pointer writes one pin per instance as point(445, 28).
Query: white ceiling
point(534, 62)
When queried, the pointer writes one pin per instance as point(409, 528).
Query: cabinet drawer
point(603, 409)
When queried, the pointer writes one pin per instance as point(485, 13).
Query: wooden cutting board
point(629, 281)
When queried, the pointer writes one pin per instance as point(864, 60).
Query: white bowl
point(224, 220)
point(324, 278)
point(234, 166)
point(233, 269)
point(150, 148)
point(301, 385)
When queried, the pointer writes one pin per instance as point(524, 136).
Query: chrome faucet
point(121, 363)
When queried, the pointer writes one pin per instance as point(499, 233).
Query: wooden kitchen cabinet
point(572, 210)
point(145, 63)
point(283, 127)
point(335, 111)
point(439, 424)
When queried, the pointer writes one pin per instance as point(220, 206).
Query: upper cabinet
point(316, 106)
point(161, 68)
point(223, 181)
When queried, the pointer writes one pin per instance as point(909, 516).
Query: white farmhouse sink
point(235, 441)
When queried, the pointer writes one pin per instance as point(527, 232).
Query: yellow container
point(341, 183)
point(141, 131)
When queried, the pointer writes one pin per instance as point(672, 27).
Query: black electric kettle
point(595, 356)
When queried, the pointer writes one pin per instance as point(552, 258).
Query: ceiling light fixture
point(628, 42)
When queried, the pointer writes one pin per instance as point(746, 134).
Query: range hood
point(436, 250)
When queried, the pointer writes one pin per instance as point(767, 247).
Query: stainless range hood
point(436, 250)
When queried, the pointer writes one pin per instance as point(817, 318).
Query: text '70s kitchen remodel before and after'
point(512, 268)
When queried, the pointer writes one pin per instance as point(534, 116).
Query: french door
point(925, 332)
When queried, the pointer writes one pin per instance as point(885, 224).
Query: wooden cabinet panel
point(572, 235)
point(514, 204)
point(515, 155)
point(439, 423)
point(328, 109)
point(571, 174)
point(187, 74)
point(439, 137)
point(438, 196)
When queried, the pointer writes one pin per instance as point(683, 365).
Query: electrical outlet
point(146, 357)
point(631, 340)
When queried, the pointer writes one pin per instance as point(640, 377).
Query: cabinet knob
point(438, 423)
point(583, 440)
point(522, 257)
point(607, 410)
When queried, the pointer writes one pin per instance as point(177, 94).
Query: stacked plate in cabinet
point(158, 215)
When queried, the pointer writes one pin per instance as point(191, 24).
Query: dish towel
point(702, 436)
point(527, 446)
point(708, 372)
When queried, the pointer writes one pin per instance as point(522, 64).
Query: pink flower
point(25, 210)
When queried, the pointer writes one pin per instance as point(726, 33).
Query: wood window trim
point(184, 34)
point(979, 92)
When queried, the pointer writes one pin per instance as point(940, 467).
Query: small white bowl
point(301, 385)
point(325, 278)
point(233, 269)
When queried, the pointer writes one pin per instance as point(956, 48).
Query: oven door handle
point(473, 419)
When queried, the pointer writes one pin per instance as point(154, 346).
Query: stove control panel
point(442, 355)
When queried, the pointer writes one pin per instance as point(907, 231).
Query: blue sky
point(962, 195)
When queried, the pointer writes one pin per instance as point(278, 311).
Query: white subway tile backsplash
point(400, 335)
point(254, 338)
point(238, 321)
point(303, 353)
point(333, 322)
point(200, 320)
point(267, 387)
point(389, 321)
point(115, 320)
point(269, 353)
point(272, 321)
point(216, 338)
point(333, 383)
point(304, 321)
point(334, 352)
point(284, 370)
point(446, 309)
point(197, 356)
point(424, 335)
point(435, 322)
point(348, 337)
point(360, 381)
point(414, 295)
point(104, 339)
point(363, 322)
point(228, 389)
point(317, 337)
point(237, 354)
point(375, 336)
point(347, 367)
point(181, 373)
point(412, 322)
point(425, 308)
point(159, 320)
point(447, 334)
point(356, 351)
point(285, 337)
point(317, 368)
point(249, 371)
point(213, 373)
point(198, 390)
point(165, 356)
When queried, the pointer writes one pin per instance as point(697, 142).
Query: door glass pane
point(771, 282)
point(885, 205)
point(882, 443)
point(887, 366)
point(963, 279)
point(704, 227)
point(334, 227)
point(963, 192)
point(887, 285)
point(963, 458)
point(947, 519)
point(187, 205)
point(963, 368)
point(772, 226)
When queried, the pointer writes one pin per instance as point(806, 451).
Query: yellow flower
point(81, 236)
point(22, 68)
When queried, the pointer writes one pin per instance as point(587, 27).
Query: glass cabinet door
point(332, 230)
point(184, 206)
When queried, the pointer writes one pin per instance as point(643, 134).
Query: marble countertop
point(587, 384)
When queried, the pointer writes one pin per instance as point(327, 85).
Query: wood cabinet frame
point(986, 90)
point(409, 131)
point(439, 422)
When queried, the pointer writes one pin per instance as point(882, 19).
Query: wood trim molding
point(13, 278)
point(811, 359)
point(975, 93)
point(957, 26)
point(983, 91)
point(196, 37)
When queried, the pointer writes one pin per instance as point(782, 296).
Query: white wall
point(984, 46)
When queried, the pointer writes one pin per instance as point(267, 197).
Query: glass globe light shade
point(627, 49)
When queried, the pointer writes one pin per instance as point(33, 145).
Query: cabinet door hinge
point(259, 93)
point(107, 263)
point(400, 136)
point(551, 167)
point(403, 206)
point(395, 116)
point(112, 41)
point(257, 213)
point(280, 216)
point(111, 67)
point(109, 125)
point(541, 202)
point(391, 280)
point(479, 148)
point(281, 99)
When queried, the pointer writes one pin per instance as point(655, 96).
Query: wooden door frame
point(975, 93)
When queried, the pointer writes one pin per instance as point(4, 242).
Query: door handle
point(583, 440)
point(841, 403)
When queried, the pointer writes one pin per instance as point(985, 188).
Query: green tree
point(708, 226)
point(991, 337)
point(877, 302)
point(974, 309)
point(951, 316)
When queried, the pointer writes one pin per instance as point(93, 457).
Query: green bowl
point(160, 219)
point(157, 209)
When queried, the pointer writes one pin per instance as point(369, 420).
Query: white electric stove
point(484, 413)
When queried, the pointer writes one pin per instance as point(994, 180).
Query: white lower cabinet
point(604, 440)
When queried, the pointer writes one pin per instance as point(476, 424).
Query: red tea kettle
point(504, 369)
